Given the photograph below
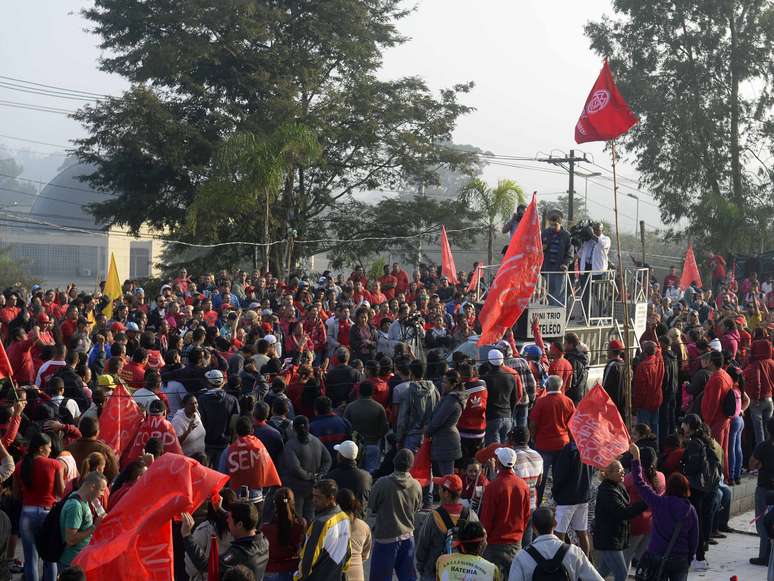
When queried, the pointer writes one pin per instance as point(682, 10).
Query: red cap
point(451, 482)
point(616, 345)
point(118, 327)
point(43, 318)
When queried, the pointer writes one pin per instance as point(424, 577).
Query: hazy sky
point(529, 59)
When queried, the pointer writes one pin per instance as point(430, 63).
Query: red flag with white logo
point(249, 464)
point(448, 269)
point(157, 427)
point(598, 429)
point(690, 270)
point(606, 115)
point(516, 279)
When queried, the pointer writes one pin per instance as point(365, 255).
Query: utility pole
point(571, 160)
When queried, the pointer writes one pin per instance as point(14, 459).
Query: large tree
point(204, 70)
point(699, 74)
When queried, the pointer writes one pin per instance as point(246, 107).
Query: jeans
point(497, 430)
point(371, 458)
point(676, 570)
point(502, 555)
point(612, 562)
point(397, 556)
point(443, 468)
point(650, 418)
point(548, 461)
point(764, 547)
point(702, 503)
point(722, 507)
point(32, 518)
point(520, 416)
point(304, 506)
point(412, 442)
point(556, 288)
point(760, 412)
point(735, 448)
point(285, 576)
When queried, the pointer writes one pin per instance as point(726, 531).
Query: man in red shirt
point(402, 278)
point(719, 384)
point(718, 265)
point(388, 283)
point(549, 422)
point(504, 512)
point(671, 279)
point(648, 394)
point(472, 422)
point(559, 365)
point(377, 296)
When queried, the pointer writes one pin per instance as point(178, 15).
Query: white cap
point(214, 377)
point(131, 326)
point(270, 339)
point(254, 306)
point(347, 448)
point(506, 456)
point(715, 345)
point(495, 357)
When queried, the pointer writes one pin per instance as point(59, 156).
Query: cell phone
point(98, 508)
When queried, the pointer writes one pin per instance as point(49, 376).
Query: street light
point(637, 220)
point(593, 174)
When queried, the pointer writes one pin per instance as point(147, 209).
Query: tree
point(685, 68)
point(397, 225)
point(492, 204)
point(205, 70)
point(562, 203)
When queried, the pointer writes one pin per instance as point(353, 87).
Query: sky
point(530, 61)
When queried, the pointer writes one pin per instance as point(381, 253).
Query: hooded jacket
point(580, 372)
point(395, 500)
point(759, 372)
point(416, 409)
point(504, 393)
point(302, 462)
point(252, 552)
point(216, 408)
point(445, 437)
point(472, 423)
point(648, 381)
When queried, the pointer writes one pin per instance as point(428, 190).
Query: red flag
point(5, 365)
point(120, 420)
point(598, 429)
point(474, 279)
point(447, 260)
point(134, 541)
point(690, 270)
point(152, 427)
point(605, 115)
point(516, 278)
point(249, 464)
point(422, 468)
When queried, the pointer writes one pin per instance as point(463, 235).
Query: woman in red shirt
point(38, 481)
point(285, 533)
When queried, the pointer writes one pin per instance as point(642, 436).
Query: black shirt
point(764, 452)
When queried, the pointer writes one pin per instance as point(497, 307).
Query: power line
point(60, 186)
point(88, 93)
point(45, 93)
point(33, 141)
point(40, 108)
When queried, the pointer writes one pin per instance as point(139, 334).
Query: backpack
point(49, 540)
point(728, 404)
point(452, 530)
point(420, 402)
point(549, 569)
point(702, 467)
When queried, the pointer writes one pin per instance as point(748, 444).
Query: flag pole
point(624, 299)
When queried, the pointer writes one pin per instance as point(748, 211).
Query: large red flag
point(605, 115)
point(516, 278)
point(157, 427)
point(447, 260)
point(249, 464)
point(120, 420)
point(134, 541)
point(422, 468)
point(598, 429)
point(5, 365)
point(690, 270)
point(474, 279)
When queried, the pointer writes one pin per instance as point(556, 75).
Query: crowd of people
point(343, 385)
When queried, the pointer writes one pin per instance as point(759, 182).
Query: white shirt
point(594, 251)
point(175, 392)
point(143, 398)
point(194, 442)
point(44, 369)
point(71, 406)
point(575, 561)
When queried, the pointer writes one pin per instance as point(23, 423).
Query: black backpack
point(49, 540)
point(729, 404)
point(452, 530)
point(549, 569)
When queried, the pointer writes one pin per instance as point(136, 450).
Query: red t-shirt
point(551, 416)
point(505, 508)
point(563, 369)
point(43, 476)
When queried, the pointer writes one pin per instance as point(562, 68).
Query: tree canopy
point(698, 73)
point(203, 71)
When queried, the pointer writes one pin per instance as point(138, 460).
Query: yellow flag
point(112, 287)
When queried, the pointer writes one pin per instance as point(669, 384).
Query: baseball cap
point(616, 345)
point(117, 327)
point(252, 495)
point(43, 318)
point(139, 291)
point(495, 357)
point(270, 339)
point(133, 327)
point(715, 345)
point(214, 377)
point(532, 351)
point(254, 306)
point(504, 347)
point(267, 313)
point(506, 456)
point(165, 286)
point(451, 482)
point(347, 448)
point(106, 381)
point(35, 288)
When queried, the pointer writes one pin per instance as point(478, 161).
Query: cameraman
point(408, 328)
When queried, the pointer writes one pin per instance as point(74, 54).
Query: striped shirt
point(529, 465)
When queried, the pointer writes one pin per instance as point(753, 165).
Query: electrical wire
point(88, 93)
point(39, 108)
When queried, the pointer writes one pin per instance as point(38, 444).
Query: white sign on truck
point(551, 321)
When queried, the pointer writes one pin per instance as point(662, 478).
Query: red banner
point(474, 279)
point(690, 270)
point(249, 464)
point(120, 420)
point(152, 427)
point(422, 470)
point(447, 259)
point(5, 365)
point(606, 114)
point(134, 541)
point(516, 279)
point(598, 429)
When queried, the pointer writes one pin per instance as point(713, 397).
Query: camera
point(581, 232)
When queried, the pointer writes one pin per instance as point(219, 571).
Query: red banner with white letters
point(598, 429)
point(249, 464)
point(152, 427)
point(120, 420)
